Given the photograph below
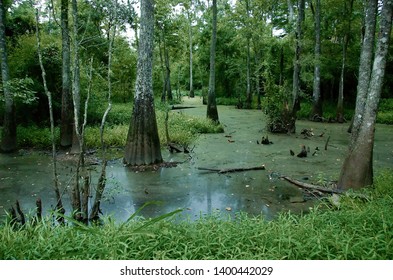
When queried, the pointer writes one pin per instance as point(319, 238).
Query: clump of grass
point(36, 137)
point(383, 183)
point(184, 129)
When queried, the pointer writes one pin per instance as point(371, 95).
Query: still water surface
point(28, 175)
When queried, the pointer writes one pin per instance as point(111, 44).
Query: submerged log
point(173, 148)
point(181, 107)
point(310, 186)
point(231, 170)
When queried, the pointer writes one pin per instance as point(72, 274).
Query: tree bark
point(143, 143)
point(357, 170)
point(316, 113)
point(8, 137)
point(168, 86)
point(340, 101)
point(248, 77)
point(59, 204)
point(67, 117)
point(212, 112)
point(77, 146)
point(191, 93)
point(365, 66)
point(295, 106)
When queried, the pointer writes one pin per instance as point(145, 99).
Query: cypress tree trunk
point(340, 101)
point(212, 112)
point(357, 170)
point(191, 93)
point(143, 143)
point(8, 137)
point(67, 117)
point(248, 89)
point(365, 65)
point(316, 113)
point(295, 106)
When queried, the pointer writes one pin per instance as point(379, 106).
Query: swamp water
point(28, 175)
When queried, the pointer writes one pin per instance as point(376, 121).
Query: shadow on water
point(28, 175)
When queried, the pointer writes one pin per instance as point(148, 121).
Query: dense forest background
point(255, 52)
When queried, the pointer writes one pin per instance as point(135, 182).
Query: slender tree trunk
point(59, 204)
point(8, 137)
point(366, 58)
point(258, 79)
point(290, 11)
point(316, 113)
point(248, 78)
point(163, 93)
point(357, 170)
point(191, 93)
point(212, 112)
point(67, 117)
point(168, 73)
point(76, 98)
point(340, 102)
point(143, 143)
point(281, 79)
point(295, 106)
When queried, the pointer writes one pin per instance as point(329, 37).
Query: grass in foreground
point(357, 230)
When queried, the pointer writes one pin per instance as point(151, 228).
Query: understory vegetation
point(356, 229)
point(183, 129)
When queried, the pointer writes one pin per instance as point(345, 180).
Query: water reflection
point(183, 187)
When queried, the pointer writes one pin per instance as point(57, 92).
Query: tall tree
point(59, 204)
point(8, 138)
point(189, 18)
point(348, 7)
point(357, 169)
point(67, 117)
point(295, 106)
point(143, 143)
point(212, 112)
point(248, 76)
point(316, 113)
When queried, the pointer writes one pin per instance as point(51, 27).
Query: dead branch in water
point(327, 143)
point(310, 186)
point(231, 170)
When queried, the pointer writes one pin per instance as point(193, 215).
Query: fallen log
point(231, 170)
point(310, 186)
point(182, 107)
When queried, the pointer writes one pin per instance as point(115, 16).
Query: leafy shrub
point(36, 137)
point(385, 111)
point(329, 111)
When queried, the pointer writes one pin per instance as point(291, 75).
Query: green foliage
point(275, 104)
point(358, 230)
point(384, 183)
point(227, 101)
point(184, 129)
point(329, 111)
point(385, 111)
point(21, 90)
point(36, 137)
